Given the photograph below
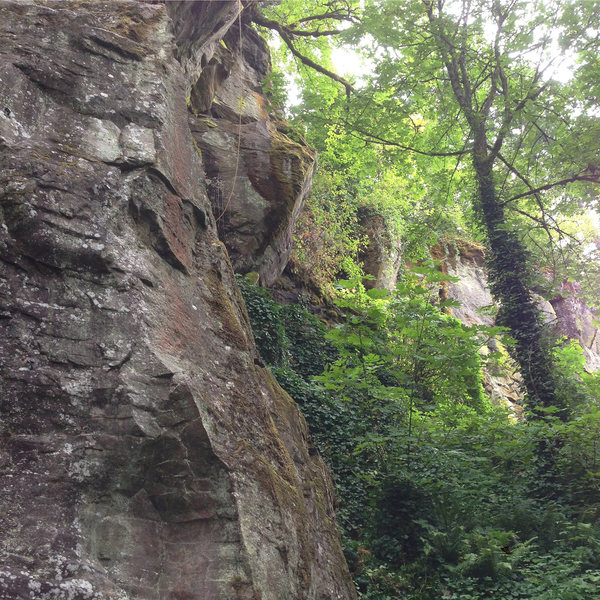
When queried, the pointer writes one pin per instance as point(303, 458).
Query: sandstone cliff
point(382, 255)
point(566, 312)
point(258, 177)
point(145, 453)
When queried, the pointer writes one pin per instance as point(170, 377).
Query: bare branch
point(337, 14)
point(466, 81)
point(515, 172)
point(517, 150)
point(285, 35)
point(593, 178)
point(448, 53)
point(545, 136)
point(332, 15)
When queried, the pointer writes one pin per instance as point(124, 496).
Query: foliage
point(434, 482)
point(461, 115)
point(327, 240)
point(265, 318)
point(273, 86)
point(310, 352)
point(463, 126)
point(408, 341)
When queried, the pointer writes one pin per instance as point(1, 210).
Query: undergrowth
point(441, 493)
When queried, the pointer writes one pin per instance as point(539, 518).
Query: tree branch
point(544, 225)
point(286, 35)
point(333, 15)
point(337, 14)
point(379, 140)
point(514, 171)
point(593, 178)
point(498, 72)
point(509, 115)
point(315, 33)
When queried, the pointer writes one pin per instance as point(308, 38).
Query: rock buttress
point(258, 176)
point(143, 453)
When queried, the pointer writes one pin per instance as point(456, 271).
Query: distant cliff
point(566, 313)
point(145, 452)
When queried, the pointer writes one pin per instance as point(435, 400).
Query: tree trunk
point(510, 283)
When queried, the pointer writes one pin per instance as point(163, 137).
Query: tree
point(467, 84)
point(479, 71)
point(293, 24)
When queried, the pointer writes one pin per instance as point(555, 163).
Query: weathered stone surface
point(382, 256)
point(466, 262)
point(576, 320)
point(143, 452)
point(258, 177)
point(566, 312)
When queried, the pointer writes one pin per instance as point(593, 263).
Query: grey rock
point(382, 254)
point(566, 313)
point(258, 176)
point(144, 454)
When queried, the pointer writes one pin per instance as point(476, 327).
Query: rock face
point(576, 320)
point(145, 453)
point(382, 256)
point(466, 262)
point(566, 312)
point(258, 176)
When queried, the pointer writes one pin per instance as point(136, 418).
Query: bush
point(402, 508)
point(310, 352)
point(266, 322)
point(437, 488)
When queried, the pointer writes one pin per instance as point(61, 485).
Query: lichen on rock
point(144, 451)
